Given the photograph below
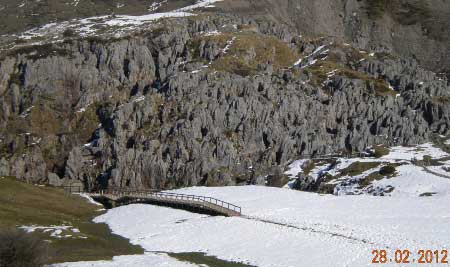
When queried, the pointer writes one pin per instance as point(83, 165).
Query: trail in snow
point(312, 230)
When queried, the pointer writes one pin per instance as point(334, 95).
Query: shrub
point(380, 151)
point(387, 170)
point(376, 8)
point(69, 33)
point(277, 179)
point(357, 168)
point(18, 249)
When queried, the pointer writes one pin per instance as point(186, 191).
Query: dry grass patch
point(380, 151)
point(249, 51)
point(23, 204)
point(322, 69)
point(387, 171)
point(358, 168)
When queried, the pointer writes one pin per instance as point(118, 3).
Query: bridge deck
point(213, 205)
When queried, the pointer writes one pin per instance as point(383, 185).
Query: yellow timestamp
point(405, 256)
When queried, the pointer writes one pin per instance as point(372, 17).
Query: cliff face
point(409, 28)
point(209, 100)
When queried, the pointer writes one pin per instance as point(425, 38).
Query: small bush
point(358, 168)
point(376, 8)
point(18, 249)
point(380, 151)
point(308, 167)
point(277, 179)
point(429, 161)
point(387, 170)
point(69, 33)
point(374, 176)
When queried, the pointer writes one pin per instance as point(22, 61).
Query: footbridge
point(194, 203)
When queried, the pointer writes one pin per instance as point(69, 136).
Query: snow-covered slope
point(283, 227)
point(287, 228)
point(403, 171)
point(107, 25)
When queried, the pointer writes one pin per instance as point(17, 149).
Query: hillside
point(420, 171)
point(199, 96)
point(327, 122)
point(407, 28)
point(379, 25)
point(18, 16)
point(64, 220)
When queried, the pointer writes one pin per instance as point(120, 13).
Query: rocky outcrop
point(149, 111)
point(408, 28)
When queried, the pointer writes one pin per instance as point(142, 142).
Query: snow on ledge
point(124, 23)
point(199, 4)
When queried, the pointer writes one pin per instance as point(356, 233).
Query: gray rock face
point(409, 28)
point(142, 112)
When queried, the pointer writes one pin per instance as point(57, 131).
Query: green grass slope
point(24, 205)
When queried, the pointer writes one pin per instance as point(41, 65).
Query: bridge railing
point(196, 198)
point(73, 189)
point(157, 194)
